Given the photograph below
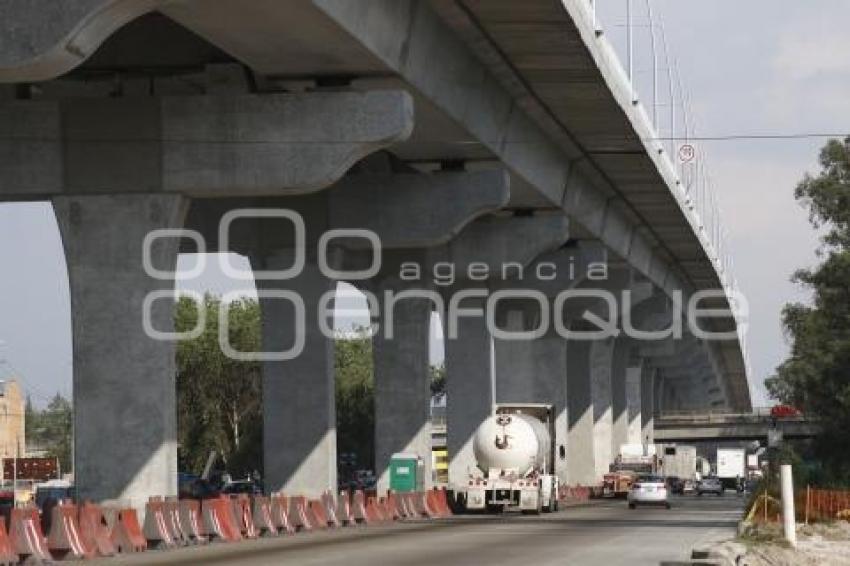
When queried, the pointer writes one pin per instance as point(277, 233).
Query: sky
point(754, 67)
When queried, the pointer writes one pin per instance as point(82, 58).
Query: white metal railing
point(694, 183)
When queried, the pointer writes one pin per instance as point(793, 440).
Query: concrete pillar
point(647, 403)
point(468, 397)
point(402, 387)
point(535, 372)
point(633, 385)
point(601, 353)
point(619, 367)
point(299, 411)
point(581, 469)
point(124, 380)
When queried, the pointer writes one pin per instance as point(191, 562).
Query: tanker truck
point(514, 452)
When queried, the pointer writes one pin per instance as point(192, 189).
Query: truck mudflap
point(549, 493)
point(530, 500)
point(476, 498)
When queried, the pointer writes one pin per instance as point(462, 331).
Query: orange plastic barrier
point(262, 516)
point(441, 502)
point(343, 510)
point(7, 549)
point(433, 504)
point(373, 511)
point(317, 511)
point(395, 508)
point(408, 505)
point(329, 503)
point(244, 514)
point(419, 500)
point(156, 527)
point(219, 521)
point(126, 533)
point(358, 506)
point(26, 535)
point(280, 514)
point(171, 508)
point(65, 539)
point(95, 530)
point(192, 521)
point(300, 516)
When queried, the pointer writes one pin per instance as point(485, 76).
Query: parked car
point(648, 490)
point(688, 486)
point(710, 485)
point(190, 486)
point(242, 486)
point(675, 484)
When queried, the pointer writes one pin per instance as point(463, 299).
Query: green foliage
point(51, 429)
point(816, 376)
point(438, 379)
point(355, 397)
point(218, 398)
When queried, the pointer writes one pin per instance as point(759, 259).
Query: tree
point(816, 375)
point(355, 397)
point(438, 380)
point(219, 398)
point(51, 429)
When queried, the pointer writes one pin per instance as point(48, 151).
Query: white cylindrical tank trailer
point(514, 454)
point(517, 443)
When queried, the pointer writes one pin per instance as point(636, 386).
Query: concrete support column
point(647, 403)
point(536, 372)
point(619, 395)
point(634, 424)
point(299, 411)
point(124, 380)
point(581, 469)
point(468, 397)
point(402, 387)
point(601, 353)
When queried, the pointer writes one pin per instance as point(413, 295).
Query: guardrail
point(756, 412)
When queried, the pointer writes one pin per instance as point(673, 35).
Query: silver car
point(710, 485)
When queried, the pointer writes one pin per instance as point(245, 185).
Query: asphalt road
point(606, 533)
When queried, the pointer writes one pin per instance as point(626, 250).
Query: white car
point(648, 490)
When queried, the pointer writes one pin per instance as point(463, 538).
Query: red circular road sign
point(687, 152)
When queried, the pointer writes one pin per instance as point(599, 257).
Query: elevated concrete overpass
point(466, 132)
point(720, 426)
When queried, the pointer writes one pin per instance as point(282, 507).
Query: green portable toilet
point(405, 472)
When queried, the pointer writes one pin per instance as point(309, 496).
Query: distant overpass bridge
point(719, 426)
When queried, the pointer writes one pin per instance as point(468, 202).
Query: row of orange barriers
point(575, 493)
point(810, 505)
point(822, 504)
point(89, 530)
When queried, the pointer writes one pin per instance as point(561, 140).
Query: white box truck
point(731, 465)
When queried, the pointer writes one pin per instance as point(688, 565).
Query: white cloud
point(805, 53)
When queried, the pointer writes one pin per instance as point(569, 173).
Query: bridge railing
point(637, 34)
point(759, 414)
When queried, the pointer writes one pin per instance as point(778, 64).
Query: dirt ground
point(817, 545)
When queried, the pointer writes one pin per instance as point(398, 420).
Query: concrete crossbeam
point(206, 146)
point(415, 210)
point(41, 39)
